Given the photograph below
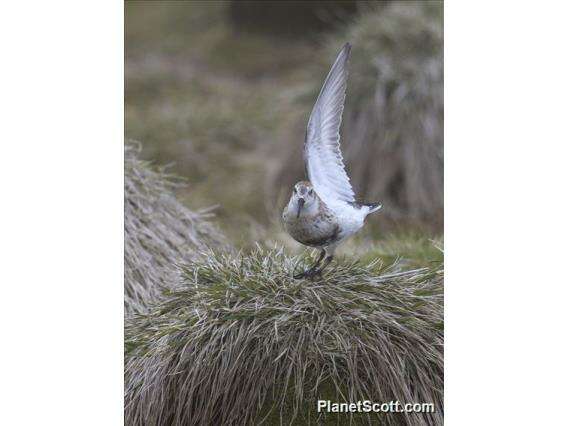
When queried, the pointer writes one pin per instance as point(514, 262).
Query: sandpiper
point(322, 212)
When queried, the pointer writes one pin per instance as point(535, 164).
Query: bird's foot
point(309, 274)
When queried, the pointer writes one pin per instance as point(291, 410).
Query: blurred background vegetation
point(222, 92)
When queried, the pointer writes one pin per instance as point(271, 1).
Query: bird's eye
point(295, 190)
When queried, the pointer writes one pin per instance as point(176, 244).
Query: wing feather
point(322, 153)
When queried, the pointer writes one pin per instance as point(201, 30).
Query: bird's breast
point(315, 231)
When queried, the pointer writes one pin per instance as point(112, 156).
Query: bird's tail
point(373, 207)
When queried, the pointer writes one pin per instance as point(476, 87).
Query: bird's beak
point(301, 202)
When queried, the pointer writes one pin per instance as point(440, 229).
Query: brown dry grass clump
point(159, 231)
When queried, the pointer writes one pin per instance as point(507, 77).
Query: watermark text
point(374, 407)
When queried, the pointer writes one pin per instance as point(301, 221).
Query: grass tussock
point(240, 342)
point(392, 134)
point(159, 231)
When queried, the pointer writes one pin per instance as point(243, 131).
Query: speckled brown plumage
point(317, 230)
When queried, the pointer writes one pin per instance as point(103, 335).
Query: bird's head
point(304, 200)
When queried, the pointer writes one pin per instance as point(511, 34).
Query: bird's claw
point(309, 274)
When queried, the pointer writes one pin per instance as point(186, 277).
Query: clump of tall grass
point(392, 135)
point(159, 231)
point(240, 341)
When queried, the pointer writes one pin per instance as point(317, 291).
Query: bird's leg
point(326, 262)
point(313, 269)
point(317, 272)
point(314, 272)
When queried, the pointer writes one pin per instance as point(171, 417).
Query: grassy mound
point(159, 231)
point(392, 134)
point(241, 341)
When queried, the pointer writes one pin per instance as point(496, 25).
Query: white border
point(506, 212)
point(61, 213)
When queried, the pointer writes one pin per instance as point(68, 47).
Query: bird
point(322, 211)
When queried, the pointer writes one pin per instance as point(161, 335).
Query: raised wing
point(322, 155)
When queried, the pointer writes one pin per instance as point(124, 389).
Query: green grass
point(410, 250)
